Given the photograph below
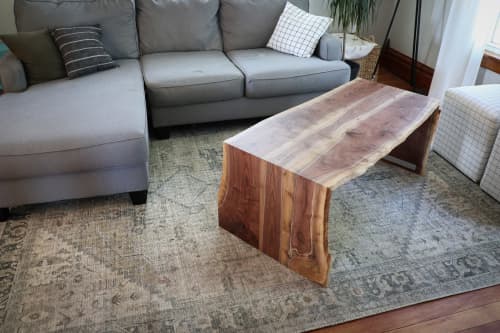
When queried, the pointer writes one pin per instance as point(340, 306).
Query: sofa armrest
point(12, 74)
point(329, 48)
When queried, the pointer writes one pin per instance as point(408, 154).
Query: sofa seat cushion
point(182, 78)
point(70, 126)
point(269, 73)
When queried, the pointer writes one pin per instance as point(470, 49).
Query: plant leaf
point(349, 13)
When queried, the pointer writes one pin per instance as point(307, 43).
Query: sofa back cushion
point(248, 24)
point(115, 17)
point(302, 4)
point(178, 25)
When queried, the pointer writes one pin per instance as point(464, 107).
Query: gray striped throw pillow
point(82, 50)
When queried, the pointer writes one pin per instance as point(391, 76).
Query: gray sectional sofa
point(212, 63)
point(192, 61)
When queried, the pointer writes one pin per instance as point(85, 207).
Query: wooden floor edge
point(359, 325)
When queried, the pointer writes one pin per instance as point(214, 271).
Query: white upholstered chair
point(468, 127)
point(491, 179)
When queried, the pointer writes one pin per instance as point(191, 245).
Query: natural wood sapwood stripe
point(278, 175)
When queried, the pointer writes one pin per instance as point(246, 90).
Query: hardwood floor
point(473, 312)
point(386, 77)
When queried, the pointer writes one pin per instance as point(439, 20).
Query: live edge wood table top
point(279, 174)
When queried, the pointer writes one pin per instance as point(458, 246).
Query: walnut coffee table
point(279, 174)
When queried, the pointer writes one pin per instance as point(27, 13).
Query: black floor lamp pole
point(416, 40)
point(386, 39)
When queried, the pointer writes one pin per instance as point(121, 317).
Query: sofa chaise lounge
point(200, 61)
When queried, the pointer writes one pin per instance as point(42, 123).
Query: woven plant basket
point(367, 64)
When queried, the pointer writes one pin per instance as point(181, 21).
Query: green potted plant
point(352, 15)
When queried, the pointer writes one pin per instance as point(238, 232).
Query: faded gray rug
point(102, 265)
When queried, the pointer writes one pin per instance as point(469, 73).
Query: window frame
point(493, 46)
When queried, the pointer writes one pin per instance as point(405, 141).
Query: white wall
point(434, 13)
point(319, 7)
point(433, 16)
point(486, 76)
point(7, 24)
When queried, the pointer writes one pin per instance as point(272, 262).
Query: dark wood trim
point(400, 65)
point(491, 61)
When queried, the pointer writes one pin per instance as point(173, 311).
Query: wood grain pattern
point(453, 323)
point(491, 61)
point(493, 327)
point(416, 147)
point(419, 313)
point(282, 214)
point(279, 174)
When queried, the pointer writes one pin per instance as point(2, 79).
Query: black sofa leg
point(161, 133)
point(139, 197)
point(4, 214)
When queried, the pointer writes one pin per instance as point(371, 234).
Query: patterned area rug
point(102, 265)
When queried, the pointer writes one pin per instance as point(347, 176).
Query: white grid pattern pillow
point(298, 32)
